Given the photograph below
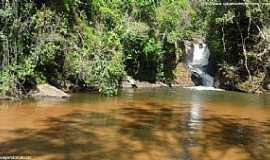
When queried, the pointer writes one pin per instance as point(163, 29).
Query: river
point(142, 124)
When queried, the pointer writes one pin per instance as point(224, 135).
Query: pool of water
point(144, 124)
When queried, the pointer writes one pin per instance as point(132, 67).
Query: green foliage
point(98, 59)
point(30, 42)
point(152, 42)
point(237, 39)
point(15, 35)
point(97, 42)
point(49, 37)
point(108, 74)
point(91, 41)
point(174, 18)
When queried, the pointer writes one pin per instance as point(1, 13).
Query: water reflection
point(194, 122)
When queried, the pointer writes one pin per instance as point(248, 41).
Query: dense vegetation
point(239, 38)
point(96, 43)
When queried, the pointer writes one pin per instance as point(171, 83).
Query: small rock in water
point(46, 90)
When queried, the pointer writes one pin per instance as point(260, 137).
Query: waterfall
point(197, 61)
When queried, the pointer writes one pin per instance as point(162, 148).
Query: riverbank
point(182, 80)
point(182, 74)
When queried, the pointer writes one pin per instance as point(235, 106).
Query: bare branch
point(244, 47)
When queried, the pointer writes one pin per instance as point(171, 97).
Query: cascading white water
point(198, 61)
point(201, 55)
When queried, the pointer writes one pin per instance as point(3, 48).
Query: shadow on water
point(223, 134)
point(153, 132)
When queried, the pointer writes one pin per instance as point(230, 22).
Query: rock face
point(46, 90)
point(183, 76)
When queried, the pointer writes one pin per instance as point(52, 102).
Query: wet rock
point(46, 90)
point(197, 79)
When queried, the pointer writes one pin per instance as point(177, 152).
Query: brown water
point(160, 124)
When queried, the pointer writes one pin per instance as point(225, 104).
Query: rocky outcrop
point(48, 91)
point(183, 76)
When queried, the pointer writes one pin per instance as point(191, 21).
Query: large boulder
point(46, 90)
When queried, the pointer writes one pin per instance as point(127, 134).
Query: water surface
point(150, 124)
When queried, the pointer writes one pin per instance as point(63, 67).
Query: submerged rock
point(46, 90)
